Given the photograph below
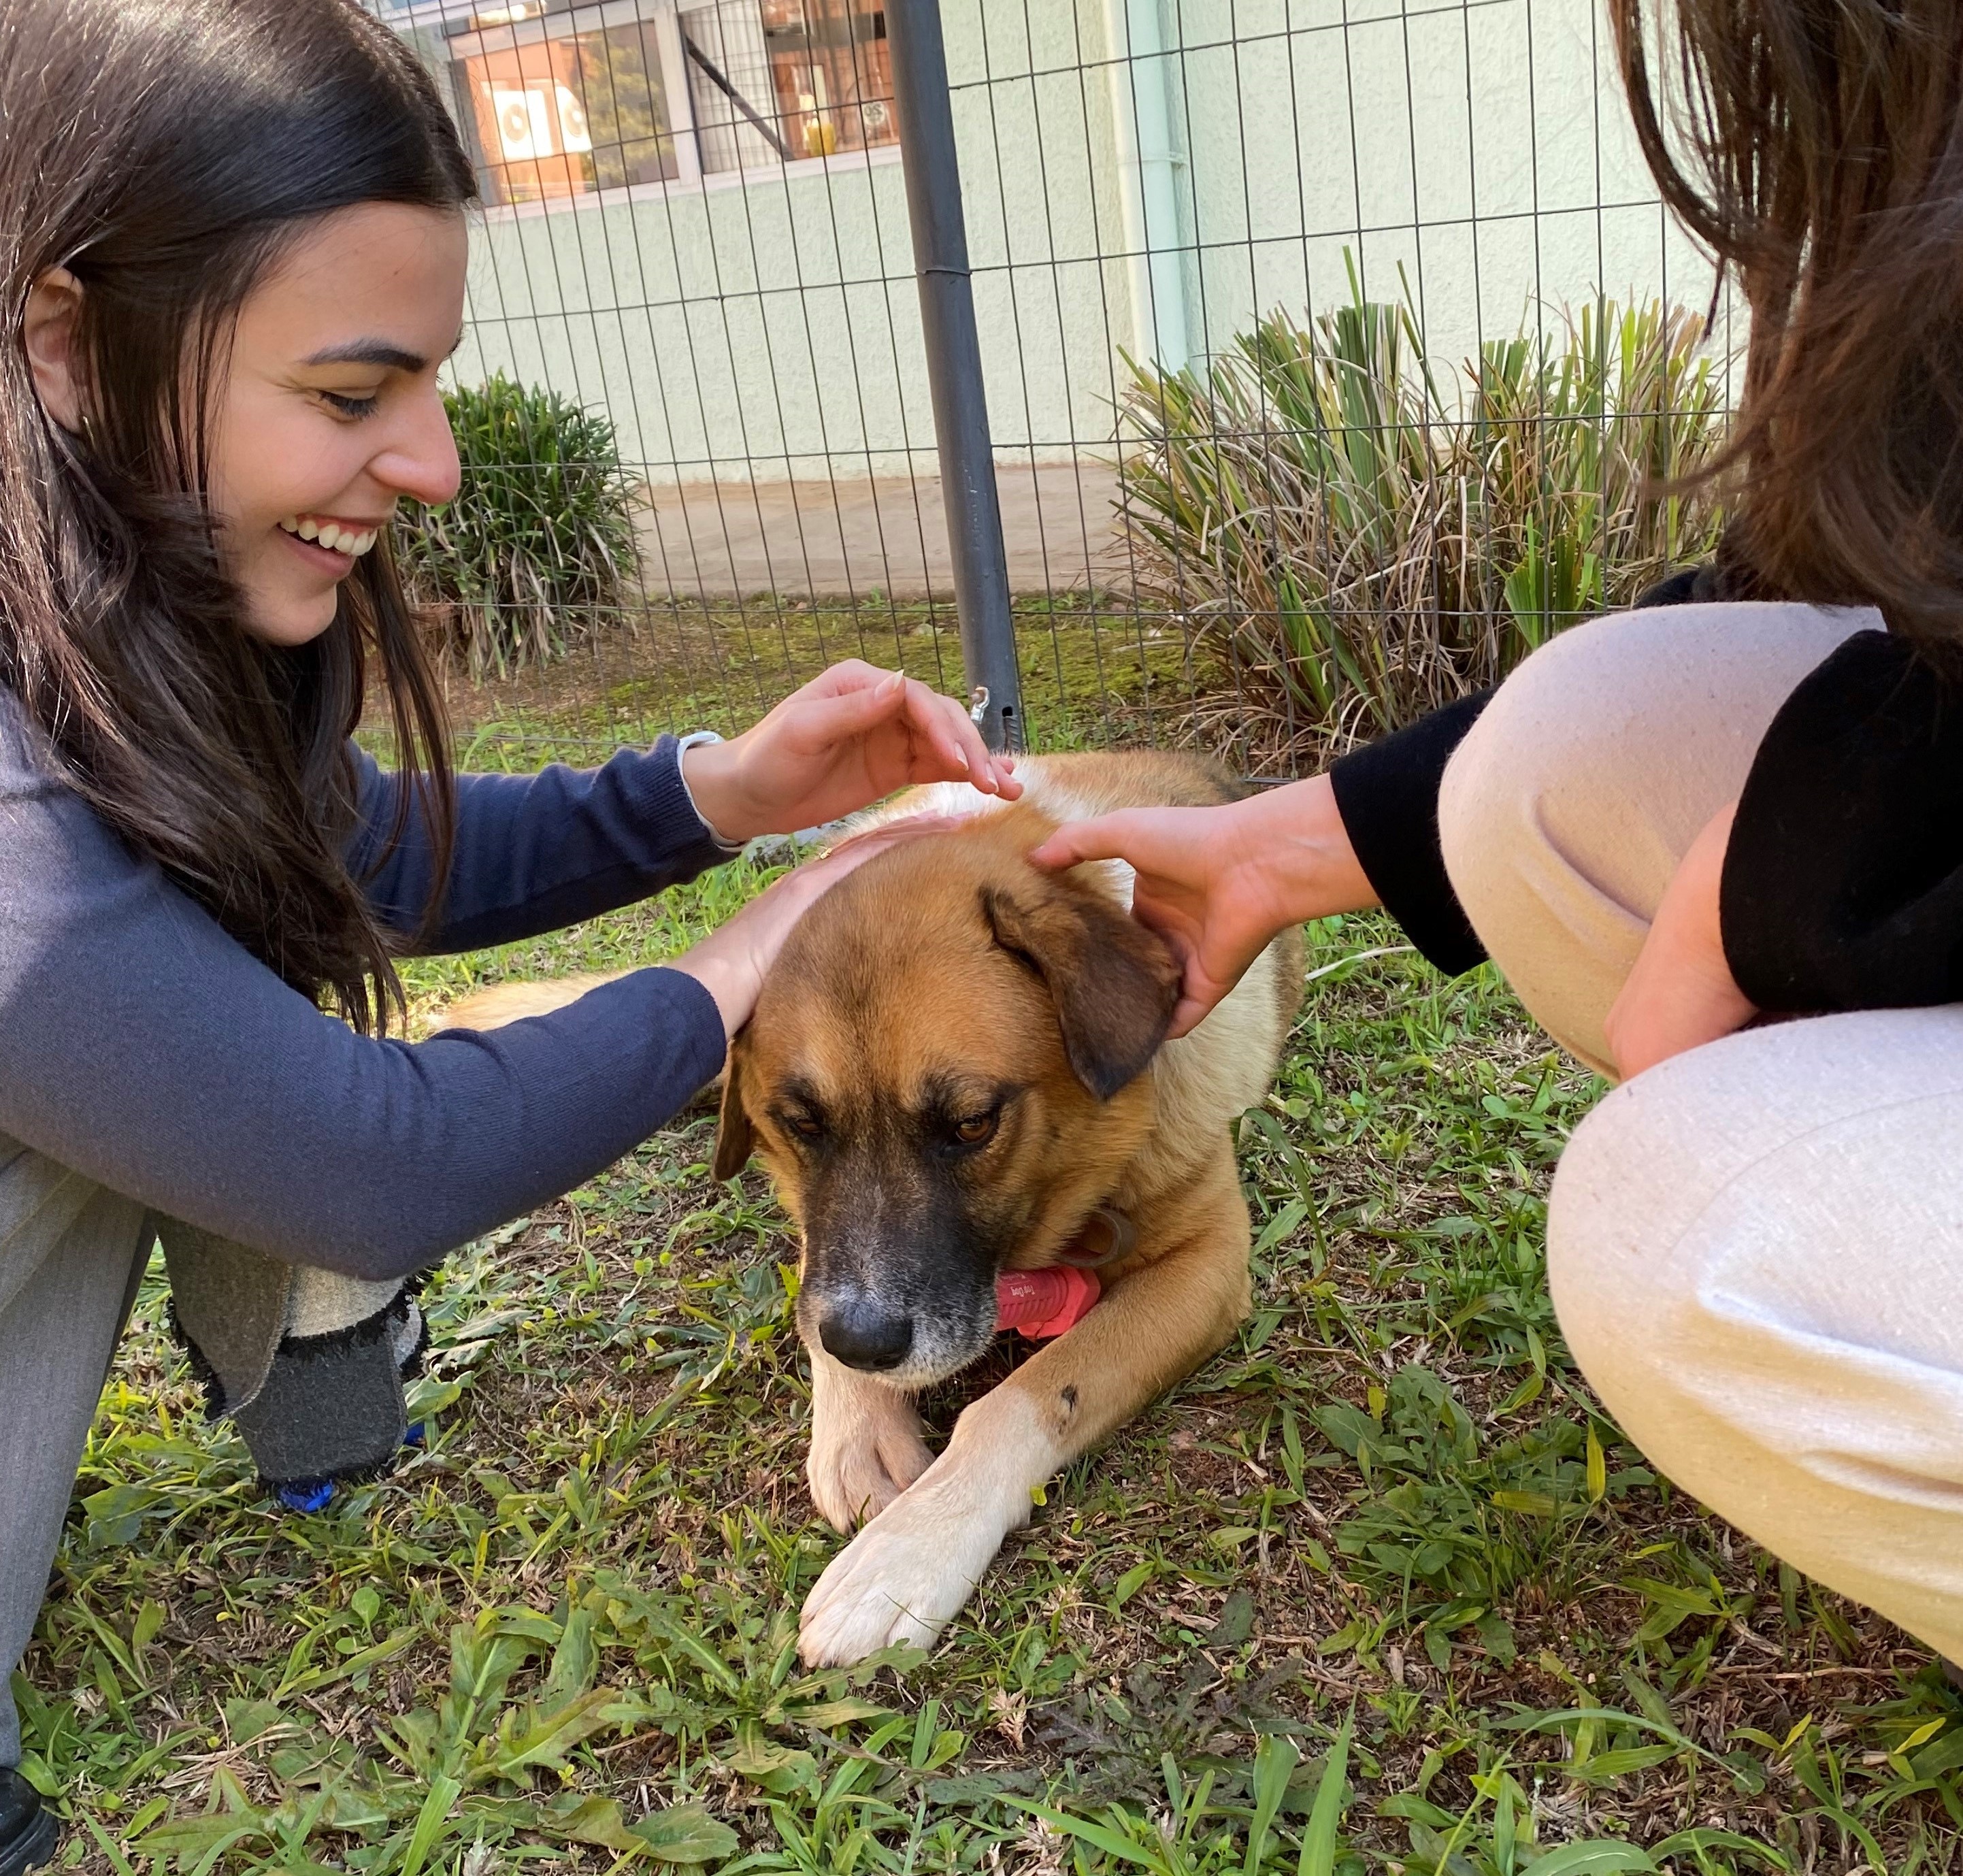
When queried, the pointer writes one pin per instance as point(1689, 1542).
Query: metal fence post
point(926, 123)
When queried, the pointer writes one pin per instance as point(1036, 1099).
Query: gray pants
point(1756, 1248)
point(71, 1257)
point(327, 1402)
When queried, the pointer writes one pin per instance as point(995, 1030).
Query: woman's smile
point(331, 544)
point(333, 533)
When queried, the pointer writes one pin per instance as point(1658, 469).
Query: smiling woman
point(327, 280)
point(232, 247)
point(333, 412)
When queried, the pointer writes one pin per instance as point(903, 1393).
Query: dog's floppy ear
point(1114, 983)
point(734, 1135)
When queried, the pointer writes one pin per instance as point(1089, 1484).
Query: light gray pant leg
point(1564, 812)
point(58, 1334)
point(1755, 1249)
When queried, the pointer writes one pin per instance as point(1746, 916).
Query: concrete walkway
point(717, 539)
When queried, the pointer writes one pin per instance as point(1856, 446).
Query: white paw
point(903, 1577)
point(864, 1455)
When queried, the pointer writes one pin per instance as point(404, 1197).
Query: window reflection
point(565, 100)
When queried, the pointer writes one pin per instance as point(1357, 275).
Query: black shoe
point(29, 1835)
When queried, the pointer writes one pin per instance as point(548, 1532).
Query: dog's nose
point(862, 1334)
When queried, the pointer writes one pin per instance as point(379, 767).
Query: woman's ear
point(53, 321)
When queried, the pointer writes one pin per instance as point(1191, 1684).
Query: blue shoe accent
point(307, 1494)
point(317, 1495)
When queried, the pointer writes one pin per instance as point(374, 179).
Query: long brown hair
point(1816, 146)
point(165, 152)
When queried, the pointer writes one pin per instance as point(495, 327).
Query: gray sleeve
point(535, 853)
point(144, 1047)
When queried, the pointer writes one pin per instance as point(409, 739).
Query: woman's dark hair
point(166, 152)
point(1816, 146)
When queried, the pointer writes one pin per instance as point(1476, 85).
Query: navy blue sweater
point(144, 1047)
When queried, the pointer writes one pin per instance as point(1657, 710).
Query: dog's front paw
point(903, 1578)
point(863, 1456)
point(865, 1444)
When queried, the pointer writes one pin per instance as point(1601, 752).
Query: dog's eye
point(805, 1126)
point(977, 1128)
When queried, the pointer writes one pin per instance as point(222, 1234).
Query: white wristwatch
point(693, 740)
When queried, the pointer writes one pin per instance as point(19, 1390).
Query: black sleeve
point(1843, 881)
point(1387, 793)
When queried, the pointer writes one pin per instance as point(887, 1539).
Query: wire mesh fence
point(1335, 353)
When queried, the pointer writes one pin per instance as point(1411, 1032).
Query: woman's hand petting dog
point(1681, 994)
point(850, 737)
point(1218, 883)
point(731, 963)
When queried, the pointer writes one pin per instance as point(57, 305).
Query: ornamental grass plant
point(538, 548)
point(1360, 537)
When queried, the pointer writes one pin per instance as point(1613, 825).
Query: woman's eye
point(351, 406)
point(976, 1129)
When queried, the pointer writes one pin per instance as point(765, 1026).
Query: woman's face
point(330, 410)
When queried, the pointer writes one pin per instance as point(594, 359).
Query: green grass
point(1379, 1590)
point(1096, 669)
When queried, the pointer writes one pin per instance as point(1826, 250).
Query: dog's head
point(945, 1067)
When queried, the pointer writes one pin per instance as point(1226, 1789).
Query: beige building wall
point(762, 325)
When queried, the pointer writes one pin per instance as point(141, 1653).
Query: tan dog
point(958, 1066)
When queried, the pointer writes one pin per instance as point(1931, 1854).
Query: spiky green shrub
point(538, 545)
point(1362, 538)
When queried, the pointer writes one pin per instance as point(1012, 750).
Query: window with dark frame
point(563, 99)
